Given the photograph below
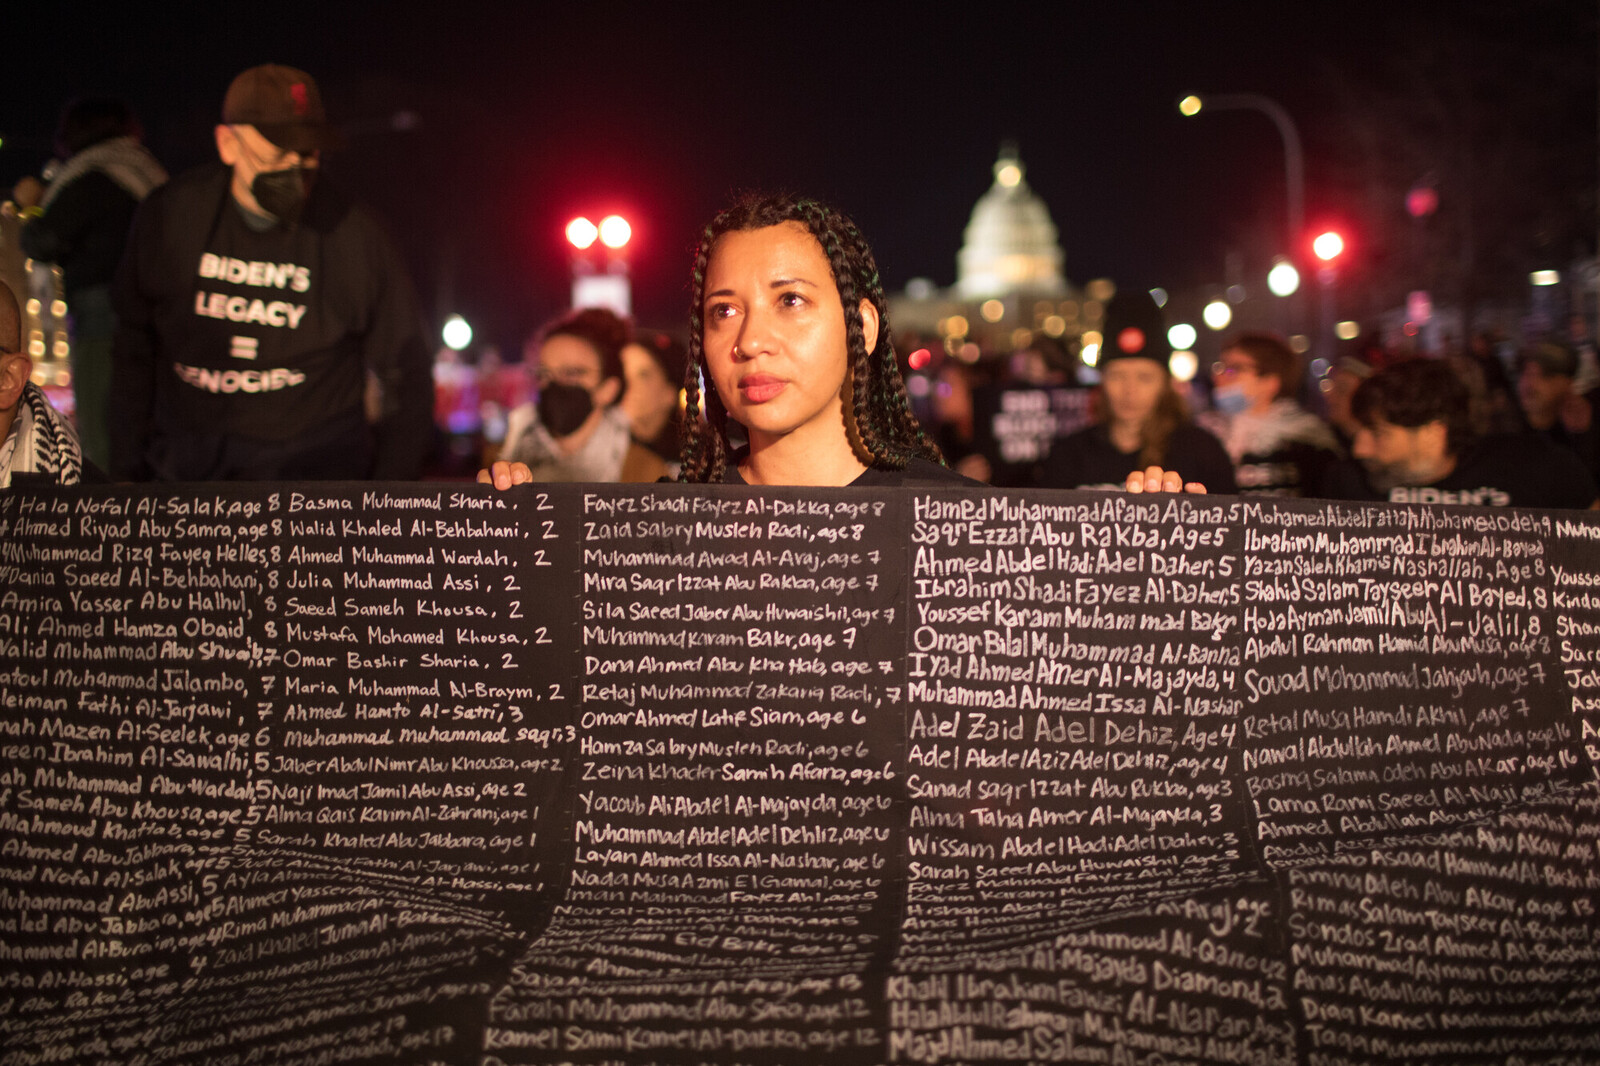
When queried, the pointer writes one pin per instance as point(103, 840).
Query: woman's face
point(1133, 388)
point(774, 337)
point(649, 396)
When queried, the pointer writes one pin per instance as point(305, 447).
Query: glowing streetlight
point(1293, 155)
point(581, 233)
point(457, 333)
point(615, 231)
point(1217, 314)
point(601, 279)
point(1183, 365)
point(1283, 279)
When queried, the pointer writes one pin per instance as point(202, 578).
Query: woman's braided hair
point(882, 428)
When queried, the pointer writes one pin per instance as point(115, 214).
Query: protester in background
point(577, 431)
point(1417, 444)
point(35, 441)
point(79, 221)
point(1278, 447)
point(1547, 374)
point(652, 370)
point(267, 329)
point(1141, 421)
point(1494, 394)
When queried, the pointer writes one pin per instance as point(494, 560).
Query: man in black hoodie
point(266, 327)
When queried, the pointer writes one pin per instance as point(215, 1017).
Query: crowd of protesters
point(295, 351)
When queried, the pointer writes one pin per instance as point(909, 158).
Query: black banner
point(340, 773)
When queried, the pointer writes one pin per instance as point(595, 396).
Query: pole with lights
point(592, 287)
point(1328, 247)
point(1294, 165)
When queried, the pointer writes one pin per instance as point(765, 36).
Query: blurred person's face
point(1133, 387)
point(1542, 393)
point(567, 368)
point(15, 366)
point(774, 335)
point(1396, 456)
point(649, 396)
point(565, 360)
point(1341, 386)
point(249, 153)
point(1237, 371)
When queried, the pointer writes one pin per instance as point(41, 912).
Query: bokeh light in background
point(1328, 246)
point(1159, 295)
point(1090, 353)
point(992, 310)
point(615, 231)
point(581, 233)
point(457, 333)
point(1184, 365)
point(1102, 289)
point(1182, 335)
point(1347, 330)
point(919, 359)
point(1283, 279)
point(1545, 277)
point(1217, 315)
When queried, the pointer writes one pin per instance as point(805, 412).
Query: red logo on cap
point(1131, 340)
point(298, 92)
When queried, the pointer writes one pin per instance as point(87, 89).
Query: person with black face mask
point(577, 431)
point(266, 327)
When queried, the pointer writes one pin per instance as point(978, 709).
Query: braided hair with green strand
point(881, 428)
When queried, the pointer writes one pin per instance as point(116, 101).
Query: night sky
point(524, 115)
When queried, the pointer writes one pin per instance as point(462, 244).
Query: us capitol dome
point(1010, 293)
point(1010, 244)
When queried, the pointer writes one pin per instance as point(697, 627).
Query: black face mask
point(282, 193)
point(563, 408)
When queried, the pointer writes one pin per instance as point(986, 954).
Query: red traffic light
point(582, 233)
point(1328, 246)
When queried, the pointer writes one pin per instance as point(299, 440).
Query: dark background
point(479, 129)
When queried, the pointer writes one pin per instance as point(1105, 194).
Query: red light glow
point(581, 233)
point(919, 358)
point(1328, 246)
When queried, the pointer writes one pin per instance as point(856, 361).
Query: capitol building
point(1010, 293)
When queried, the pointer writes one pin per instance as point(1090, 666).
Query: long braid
point(704, 442)
point(880, 412)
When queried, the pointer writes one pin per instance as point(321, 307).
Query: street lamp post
point(1328, 247)
point(609, 288)
point(1294, 164)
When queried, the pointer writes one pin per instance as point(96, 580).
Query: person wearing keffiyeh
point(35, 441)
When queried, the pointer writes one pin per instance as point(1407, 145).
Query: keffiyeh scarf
point(122, 159)
point(40, 442)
